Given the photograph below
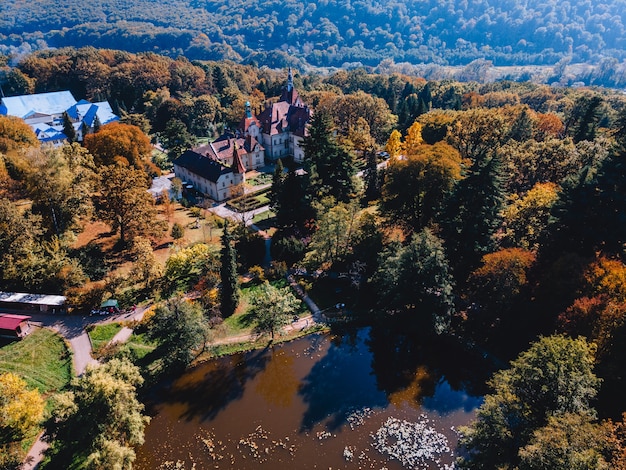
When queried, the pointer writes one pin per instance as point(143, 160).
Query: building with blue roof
point(44, 113)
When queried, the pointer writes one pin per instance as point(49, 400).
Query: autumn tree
point(186, 267)
point(413, 139)
point(415, 188)
point(553, 378)
point(568, 441)
point(117, 142)
point(415, 280)
point(549, 125)
point(100, 420)
point(272, 308)
point(347, 109)
point(229, 292)
point(15, 134)
point(125, 203)
point(435, 125)
point(60, 183)
point(146, 268)
point(548, 161)
point(359, 136)
point(478, 133)
point(20, 408)
point(497, 285)
point(525, 219)
point(394, 144)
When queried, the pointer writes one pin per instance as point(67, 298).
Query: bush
point(277, 270)
point(178, 231)
point(258, 273)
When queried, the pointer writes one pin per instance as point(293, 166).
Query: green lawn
point(139, 345)
point(241, 322)
point(100, 335)
point(42, 359)
point(264, 217)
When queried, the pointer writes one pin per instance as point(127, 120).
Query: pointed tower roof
point(237, 162)
point(289, 80)
point(290, 94)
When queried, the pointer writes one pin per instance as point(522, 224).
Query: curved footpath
point(73, 329)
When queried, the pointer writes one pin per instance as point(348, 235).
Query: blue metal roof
point(45, 103)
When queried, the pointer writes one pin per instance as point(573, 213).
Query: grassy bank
point(42, 359)
point(218, 350)
point(100, 335)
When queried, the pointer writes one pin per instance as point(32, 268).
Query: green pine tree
point(229, 294)
point(276, 190)
point(96, 124)
point(473, 214)
point(68, 128)
point(329, 165)
point(372, 180)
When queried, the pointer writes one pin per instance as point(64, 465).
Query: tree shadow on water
point(435, 373)
point(209, 388)
point(339, 383)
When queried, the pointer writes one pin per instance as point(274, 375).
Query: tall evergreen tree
point(522, 128)
point(415, 279)
point(294, 205)
point(277, 186)
point(583, 119)
point(329, 165)
point(68, 128)
point(473, 214)
point(96, 124)
point(372, 180)
point(229, 293)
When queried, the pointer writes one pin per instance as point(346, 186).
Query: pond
point(361, 399)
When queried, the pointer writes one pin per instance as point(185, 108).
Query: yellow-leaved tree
point(20, 408)
point(394, 144)
point(413, 140)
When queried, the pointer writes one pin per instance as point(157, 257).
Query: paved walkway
point(72, 328)
point(225, 213)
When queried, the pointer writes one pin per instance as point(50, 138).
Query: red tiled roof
point(9, 321)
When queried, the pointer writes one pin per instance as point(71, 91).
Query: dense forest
point(328, 33)
point(498, 223)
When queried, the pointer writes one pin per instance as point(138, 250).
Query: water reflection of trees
point(209, 388)
point(340, 382)
point(278, 384)
point(410, 367)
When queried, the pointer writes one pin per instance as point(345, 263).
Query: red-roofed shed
point(14, 326)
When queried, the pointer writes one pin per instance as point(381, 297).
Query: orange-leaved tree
point(119, 143)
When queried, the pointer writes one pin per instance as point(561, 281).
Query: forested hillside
point(328, 32)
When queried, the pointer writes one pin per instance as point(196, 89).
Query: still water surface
point(324, 401)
